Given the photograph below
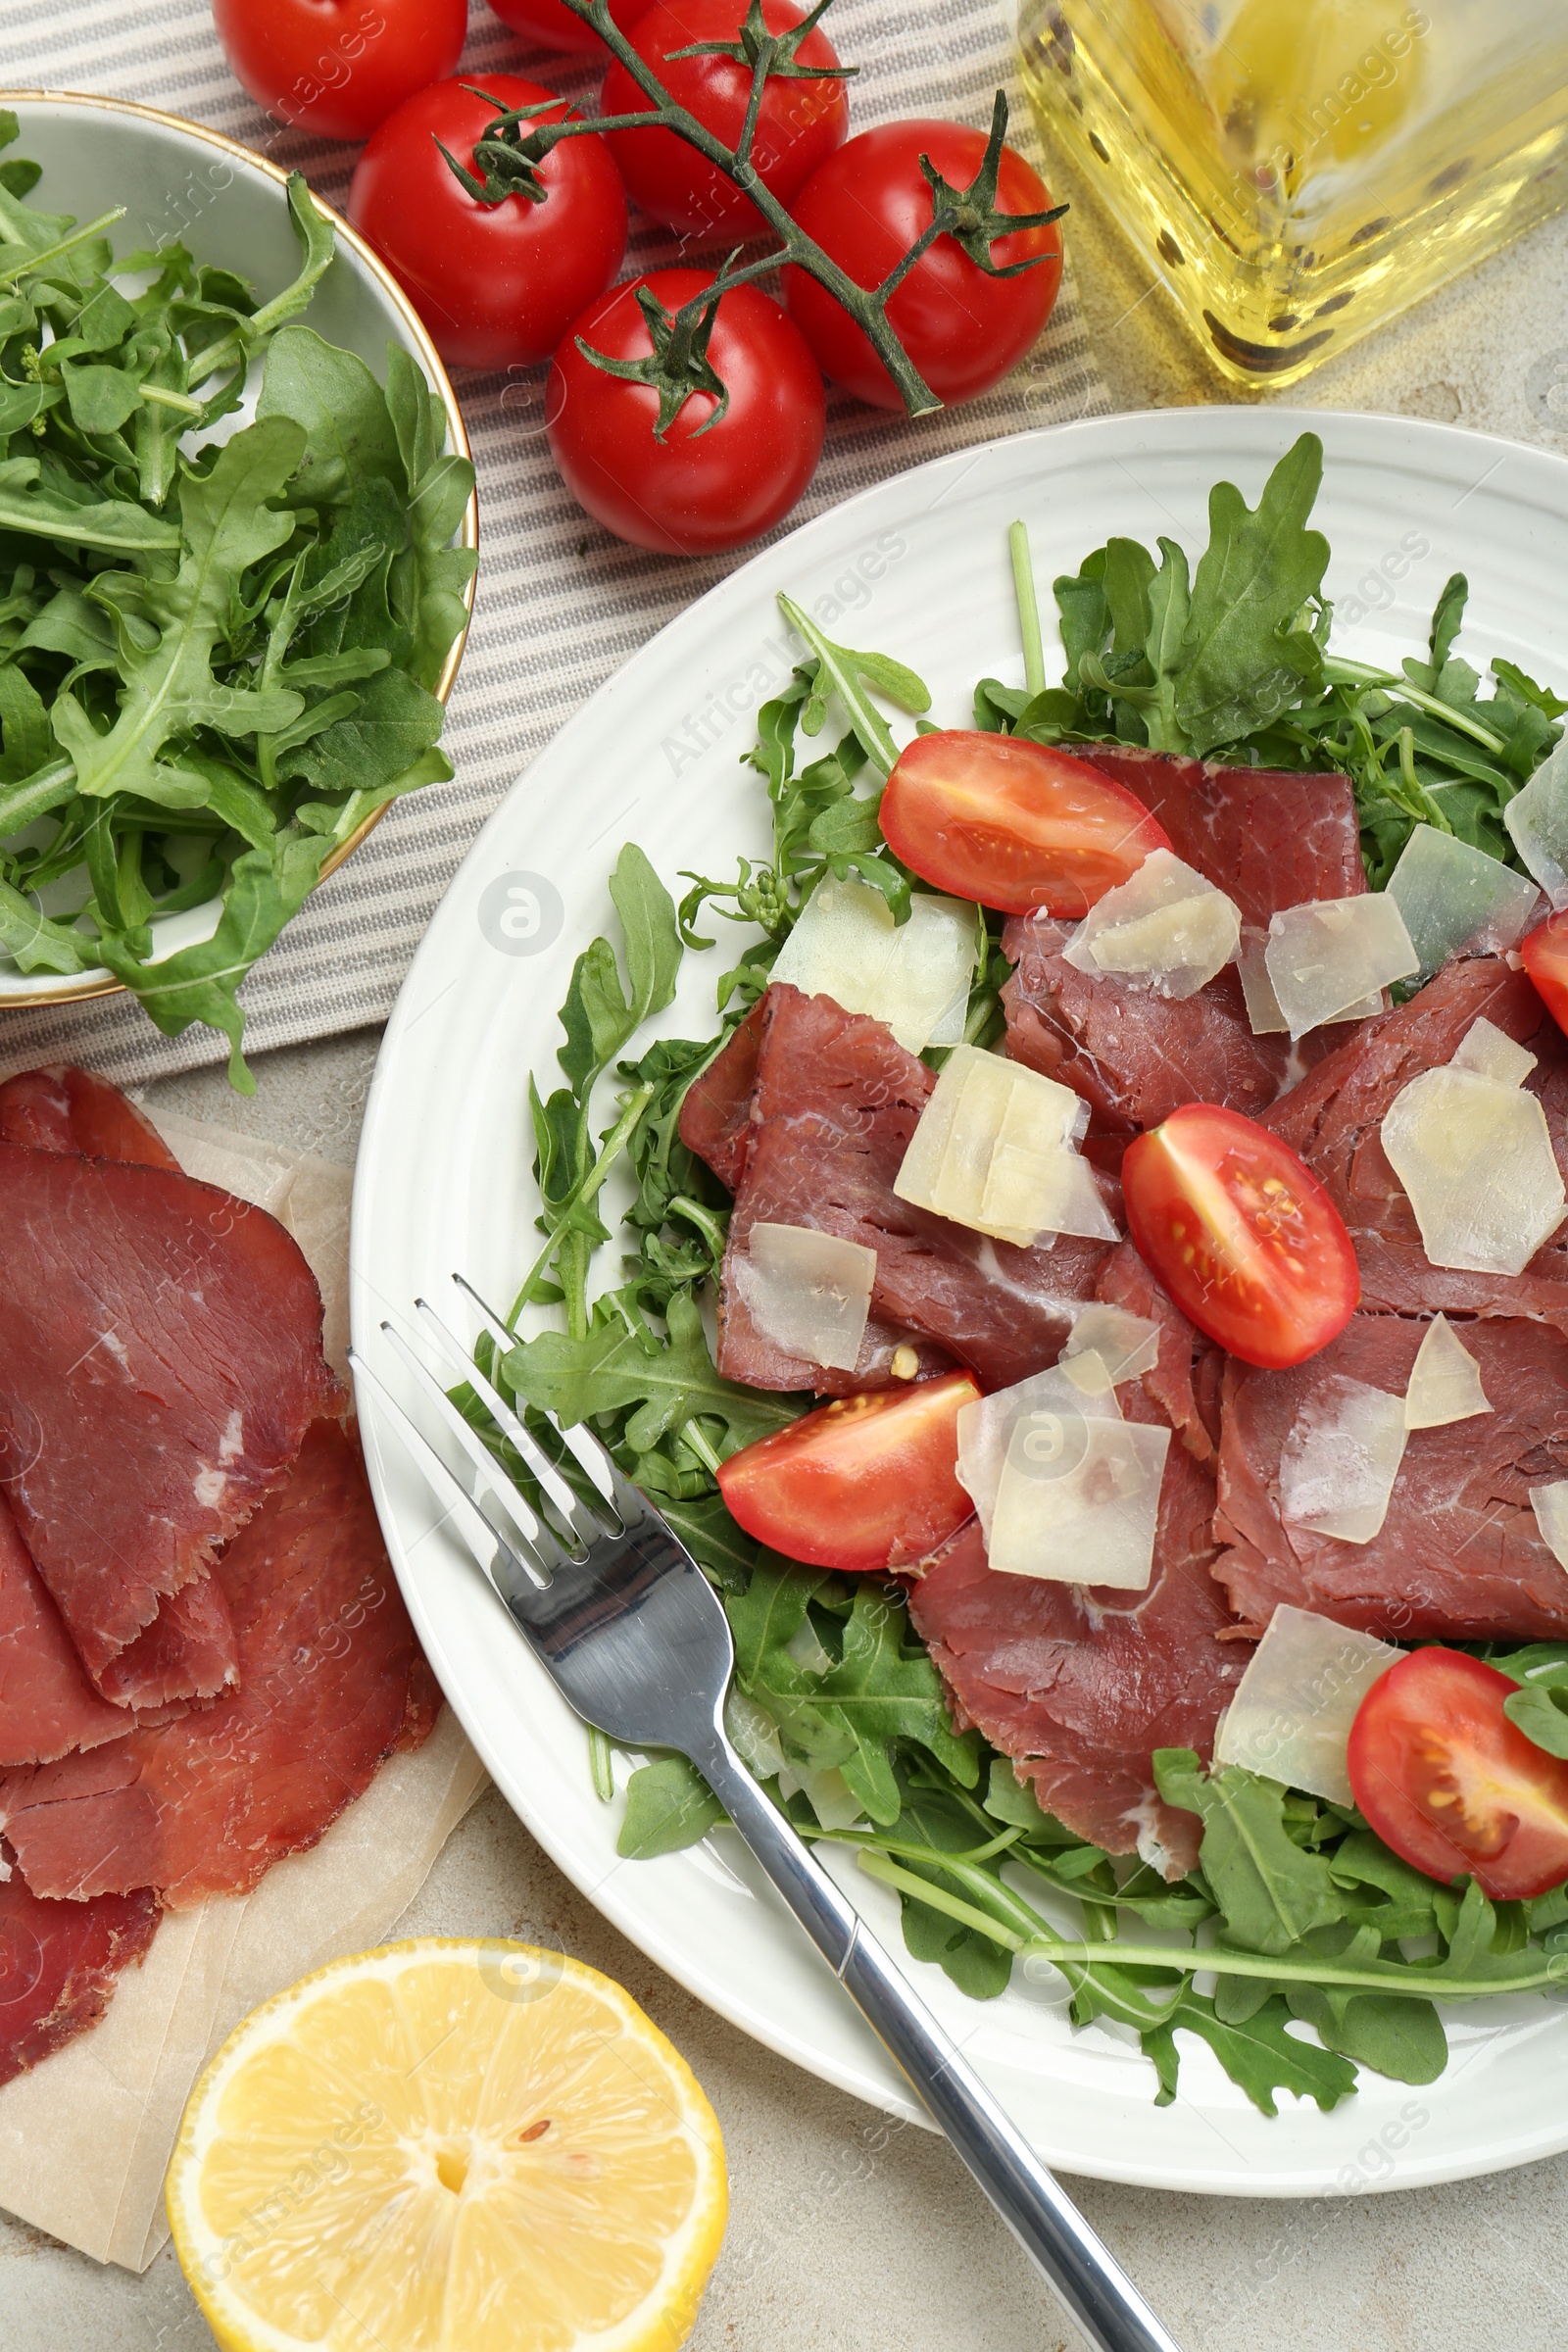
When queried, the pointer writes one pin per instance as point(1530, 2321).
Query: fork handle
point(1091, 2282)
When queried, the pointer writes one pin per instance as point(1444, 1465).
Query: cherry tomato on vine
point(1544, 957)
point(1014, 824)
point(865, 1483)
point(556, 28)
point(339, 66)
point(963, 328)
point(705, 486)
point(1447, 1780)
point(1242, 1235)
point(798, 126)
point(497, 285)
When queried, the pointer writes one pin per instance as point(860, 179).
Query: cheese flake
point(995, 1150)
point(914, 976)
point(1293, 1707)
point(1475, 1158)
point(1326, 958)
point(1340, 1461)
point(810, 1293)
point(1550, 1506)
point(1445, 1380)
point(1490, 1053)
point(1455, 897)
point(1166, 927)
point(1537, 820)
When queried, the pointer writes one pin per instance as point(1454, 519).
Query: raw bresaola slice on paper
point(160, 1362)
point(331, 1681)
point(1333, 1118)
point(57, 1966)
point(1133, 1055)
point(835, 1103)
point(1268, 838)
point(1459, 1556)
point(1078, 1685)
point(67, 1109)
point(47, 1705)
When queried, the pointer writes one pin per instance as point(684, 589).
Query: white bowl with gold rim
point(181, 183)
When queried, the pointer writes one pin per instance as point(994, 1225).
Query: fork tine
point(486, 1543)
point(570, 1506)
point(629, 1502)
point(583, 1447)
point(537, 1533)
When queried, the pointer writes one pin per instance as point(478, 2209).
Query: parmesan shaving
point(1455, 897)
point(1537, 820)
point(1166, 927)
point(1445, 1380)
point(914, 976)
point(1325, 958)
point(1123, 1344)
point(1550, 1506)
point(808, 1291)
point(1486, 1049)
point(985, 1430)
point(1293, 1707)
point(995, 1151)
point(1262, 1004)
point(1066, 1489)
point(1476, 1161)
point(1339, 1465)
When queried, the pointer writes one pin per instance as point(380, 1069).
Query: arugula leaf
point(846, 674)
point(669, 1807)
point(1260, 2054)
point(347, 436)
point(622, 1367)
point(1270, 1891)
point(602, 1012)
point(1539, 1707)
point(432, 575)
point(1245, 656)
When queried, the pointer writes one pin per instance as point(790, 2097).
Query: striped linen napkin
point(560, 602)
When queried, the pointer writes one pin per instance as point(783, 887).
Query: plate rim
point(687, 1967)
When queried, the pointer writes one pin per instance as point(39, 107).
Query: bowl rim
point(81, 987)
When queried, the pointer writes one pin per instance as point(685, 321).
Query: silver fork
point(635, 1639)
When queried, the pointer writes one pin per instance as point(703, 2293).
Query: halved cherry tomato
point(1451, 1784)
point(1242, 1235)
point(1544, 957)
point(1012, 824)
point(863, 1484)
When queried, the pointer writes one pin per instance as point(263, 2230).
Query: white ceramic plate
point(917, 567)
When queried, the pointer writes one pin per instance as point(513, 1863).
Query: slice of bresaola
point(160, 1362)
point(1080, 1685)
point(58, 1965)
point(1333, 1118)
point(1267, 837)
point(835, 1102)
point(1459, 1556)
point(331, 1682)
point(67, 1109)
point(47, 1705)
point(1133, 1055)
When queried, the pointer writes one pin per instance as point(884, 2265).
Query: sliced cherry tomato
point(863, 1484)
point(556, 28)
point(497, 285)
point(964, 329)
point(707, 485)
point(1545, 956)
point(798, 127)
point(1012, 824)
point(1242, 1234)
point(339, 66)
point(1451, 1784)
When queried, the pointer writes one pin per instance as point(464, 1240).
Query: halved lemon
point(449, 2146)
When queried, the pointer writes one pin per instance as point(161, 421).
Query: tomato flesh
point(1544, 957)
point(1242, 1235)
point(865, 1483)
point(1012, 824)
point(1451, 1784)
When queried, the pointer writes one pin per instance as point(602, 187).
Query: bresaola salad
point(1125, 1184)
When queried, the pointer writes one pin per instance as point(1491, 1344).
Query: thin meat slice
point(47, 1705)
point(1080, 1685)
point(160, 1362)
point(1459, 1556)
point(1333, 1118)
point(187, 1651)
point(67, 1109)
point(58, 1965)
point(331, 1681)
point(1185, 1382)
point(1267, 837)
point(715, 1114)
point(836, 1102)
point(1133, 1055)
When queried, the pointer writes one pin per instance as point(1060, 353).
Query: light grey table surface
point(847, 2231)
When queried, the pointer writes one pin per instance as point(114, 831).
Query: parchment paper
point(86, 2136)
